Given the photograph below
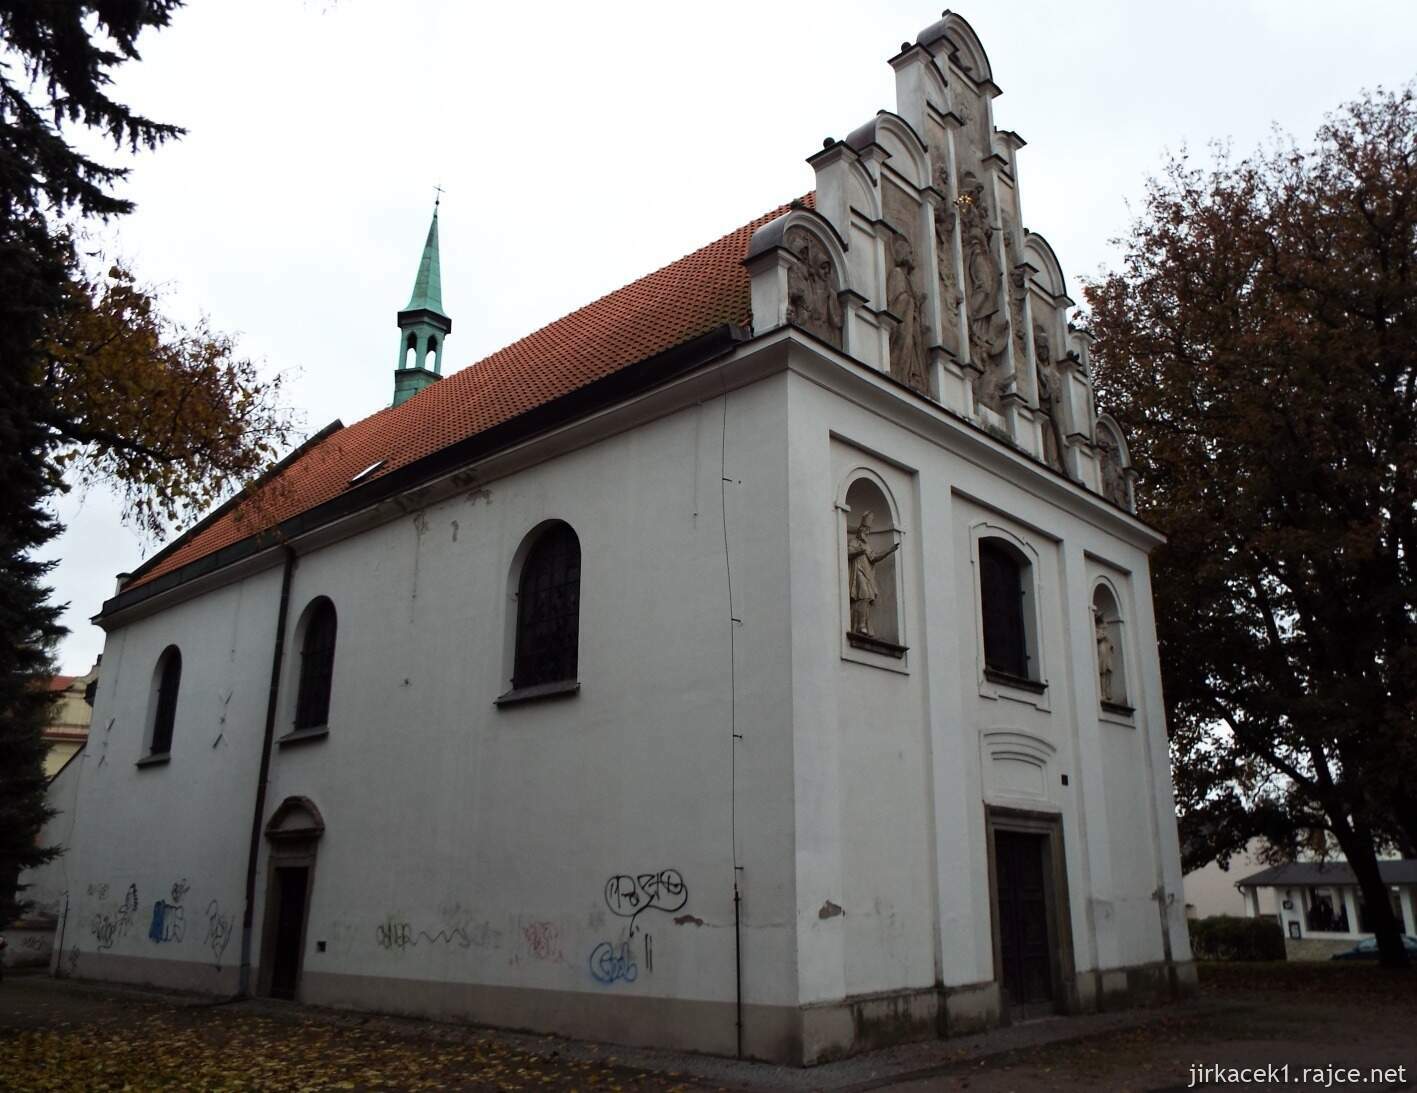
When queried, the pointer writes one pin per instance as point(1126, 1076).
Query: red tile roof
point(60, 683)
point(684, 300)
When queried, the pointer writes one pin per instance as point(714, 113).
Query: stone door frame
point(293, 836)
point(1055, 879)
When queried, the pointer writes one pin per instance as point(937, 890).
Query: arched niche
point(1113, 692)
point(869, 533)
point(1114, 464)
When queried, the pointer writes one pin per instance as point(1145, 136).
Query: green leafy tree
point(1259, 344)
point(92, 378)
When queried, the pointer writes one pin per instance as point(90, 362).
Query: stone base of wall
point(143, 971)
point(1138, 985)
point(28, 946)
point(1316, 948)
point(797, 1036)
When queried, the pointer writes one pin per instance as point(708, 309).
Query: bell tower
point(423, 326)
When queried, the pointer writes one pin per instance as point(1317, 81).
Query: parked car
point(1367, 949)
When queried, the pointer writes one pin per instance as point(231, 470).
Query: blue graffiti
point(169, 922)
point(609, 963)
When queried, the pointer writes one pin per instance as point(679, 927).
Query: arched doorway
point(293, 834)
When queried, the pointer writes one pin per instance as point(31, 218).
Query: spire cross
point(438, 191)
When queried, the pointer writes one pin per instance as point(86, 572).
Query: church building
point(759, 660)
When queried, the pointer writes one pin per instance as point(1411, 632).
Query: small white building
point(760, 659)
point(1320, 907)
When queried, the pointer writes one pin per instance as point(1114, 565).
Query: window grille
point(166, 715)
point(548, 610)
point(317, 667)
point(1001, 593)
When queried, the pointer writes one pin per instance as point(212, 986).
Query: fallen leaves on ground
point(177, 1049)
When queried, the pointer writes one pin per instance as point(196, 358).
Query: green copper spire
point(422, 325)
point(428, 285)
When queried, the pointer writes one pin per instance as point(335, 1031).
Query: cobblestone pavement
point(61, 1035)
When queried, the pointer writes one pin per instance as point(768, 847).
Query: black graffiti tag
point(630, 896)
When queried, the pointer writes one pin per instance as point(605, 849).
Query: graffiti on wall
point(631, 896)
point(628, 896)
point(169, 921)
point(543, 940)
point(110, 927)
point(398, 935)
point(218, 931)
point(612, 962)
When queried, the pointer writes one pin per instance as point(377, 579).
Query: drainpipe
point(243, 989)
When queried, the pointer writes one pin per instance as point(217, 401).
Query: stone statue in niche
point(908, 305)
point(988, 325)
point(812, 301)
point(1114, 478)
point(862, 561)
point(1106, 654)
point(1050, 399)
point(950, 295)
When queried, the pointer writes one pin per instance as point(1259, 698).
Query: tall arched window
point(1002, 572)
point(548, 609)
point(317, 666)
point(169, 681)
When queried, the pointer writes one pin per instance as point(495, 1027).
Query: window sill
point(876, 645)
point(1008, 679)
point(1118, 709)
point(303, 736)
point(157, 759)
point(564, 688)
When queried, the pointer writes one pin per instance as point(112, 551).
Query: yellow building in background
point(68, 726)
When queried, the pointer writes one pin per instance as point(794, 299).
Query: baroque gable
point(936, 281)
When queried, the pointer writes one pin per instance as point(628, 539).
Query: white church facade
point(759, 660)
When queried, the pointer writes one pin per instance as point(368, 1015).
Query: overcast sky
point(582, 145)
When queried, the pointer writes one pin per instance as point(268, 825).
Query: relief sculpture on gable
point(1114, 477)
point(950, 295)
point(988, 325)
point(812, 300)
point(906, 303)
point(1018, 290)
point(1050, 400)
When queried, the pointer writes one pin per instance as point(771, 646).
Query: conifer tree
point(85, 361)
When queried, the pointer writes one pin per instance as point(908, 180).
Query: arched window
point(1003, 572)
point(430, 355)
point(1111, 659)
point(168, 681)
point(548, 610)
point(317, 666)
